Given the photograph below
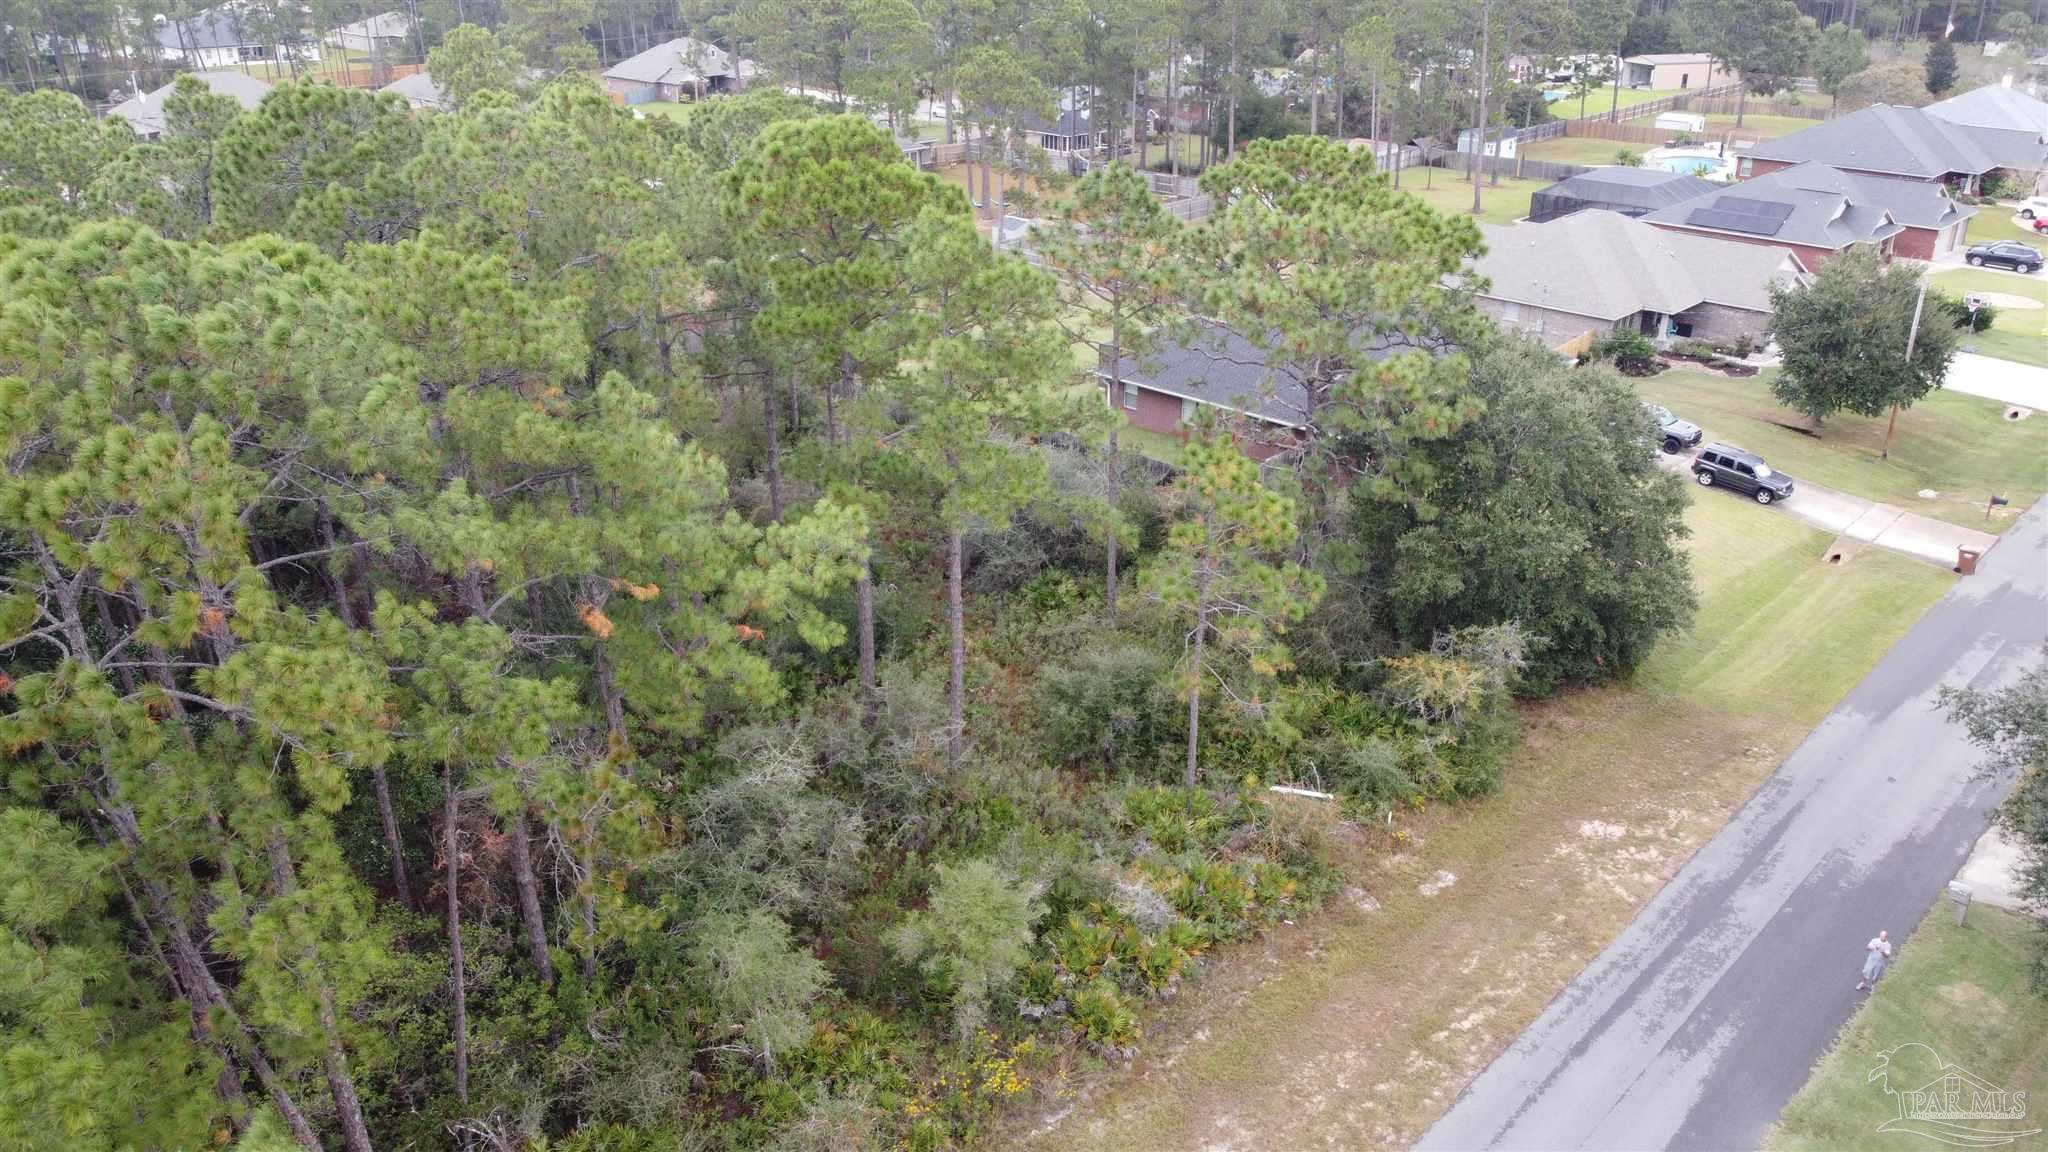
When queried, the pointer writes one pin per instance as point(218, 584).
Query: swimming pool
point(1706, 162)
point(1691, 165)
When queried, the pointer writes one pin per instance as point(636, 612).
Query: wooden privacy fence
point(1518, 166)
point(1632, 134)
point(1682, 102)
point(1725, 106)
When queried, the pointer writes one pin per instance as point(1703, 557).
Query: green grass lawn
point(1447, 191)
point(2016, 333)
point(1994, 222)
point(1960, 446)
point(1602, 102)
point(1577, 150)
point(1756, 126)
point(1961, 992)
point(1356, 1029)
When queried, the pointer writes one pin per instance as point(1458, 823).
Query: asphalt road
point(1703, 1018)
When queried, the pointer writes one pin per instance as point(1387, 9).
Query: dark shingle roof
point(1808, 204)
point(1219, 367)
point(1883, 138)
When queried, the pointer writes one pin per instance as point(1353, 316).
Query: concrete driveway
point(1703, 1018)
point(2004, 380)
point(1880, 525)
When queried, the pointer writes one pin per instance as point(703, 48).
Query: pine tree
point(1114, 249)
point(1221, 574)
point(980, 387)
point(824, 204)
point(1340, 279)
point(1941, 66)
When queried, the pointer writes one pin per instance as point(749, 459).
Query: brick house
point(1219, 369)
point(1817, 211)
point(1595, 272)
point(1903, 143)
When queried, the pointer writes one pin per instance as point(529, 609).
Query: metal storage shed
point(1629, 191)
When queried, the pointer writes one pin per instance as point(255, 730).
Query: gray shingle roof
point(2007, 147)
point(1994, 106)
point(1883, 138)
point(226, 26)
point(1609, 266)
point(146, 112)
point(1219, 367)
point(1222, 368)
point(418, 89)
point(1822, 207)
point(680, 61)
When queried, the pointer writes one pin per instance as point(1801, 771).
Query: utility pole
point(1912, 334)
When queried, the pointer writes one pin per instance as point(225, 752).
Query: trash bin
point(1966, 560)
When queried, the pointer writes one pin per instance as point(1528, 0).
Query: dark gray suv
point(1745, 472)
point(1676, 435)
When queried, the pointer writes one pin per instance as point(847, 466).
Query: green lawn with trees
point(1959, 446)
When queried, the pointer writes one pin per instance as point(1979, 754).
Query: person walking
point(1877, 954)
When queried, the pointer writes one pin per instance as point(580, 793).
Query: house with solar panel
point(1817, 211)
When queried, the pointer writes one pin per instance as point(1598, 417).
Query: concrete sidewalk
point(1882, 525)
point(1866, 521)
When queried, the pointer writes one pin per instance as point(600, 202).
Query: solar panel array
point(1741, 214)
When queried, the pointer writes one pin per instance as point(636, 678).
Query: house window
point(1510, 311)
point(1187, 411)
point(1130, 395)
point(1742, 168)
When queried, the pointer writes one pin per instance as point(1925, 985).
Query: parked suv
point(1676, 435)
point(2018, 257)
point(1742, 471)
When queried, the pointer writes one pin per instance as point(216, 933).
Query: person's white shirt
point(1879, 944)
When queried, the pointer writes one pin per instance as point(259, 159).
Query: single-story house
point(2008, 124)
point(1628, 191)
point(1071, 131)
point(675, 70)
point(145, 113)
point(1597, 272)
point(1931, 222)
point(1886, 140)
point(1814, 210)
point(1501, 144)
point(225, 36)
point(418, 90)
point(1220, 369)
point(384, 32)
point(1683, 71)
